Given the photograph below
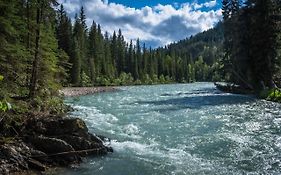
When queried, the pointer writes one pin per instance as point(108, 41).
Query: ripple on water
point(183, 129)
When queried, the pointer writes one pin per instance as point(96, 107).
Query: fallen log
point(232, 88)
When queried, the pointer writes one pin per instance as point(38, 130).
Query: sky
point(154, 22)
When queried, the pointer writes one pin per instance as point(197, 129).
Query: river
point(181, 129)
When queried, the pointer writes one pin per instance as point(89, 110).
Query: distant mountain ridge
point(207, 44)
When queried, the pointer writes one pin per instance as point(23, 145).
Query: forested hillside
point(198, 55)
point(107, 59)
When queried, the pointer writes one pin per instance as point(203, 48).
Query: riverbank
point(49, 142)
point(43, 142)
point(273, 95)
point(78, 91)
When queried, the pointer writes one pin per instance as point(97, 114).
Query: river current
point(181, 129)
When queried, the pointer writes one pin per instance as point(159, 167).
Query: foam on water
point(182, 129)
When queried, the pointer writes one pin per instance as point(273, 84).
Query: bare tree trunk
point(27, 40)
point(34, 75)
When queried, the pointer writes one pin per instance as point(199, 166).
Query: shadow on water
point(198, 101)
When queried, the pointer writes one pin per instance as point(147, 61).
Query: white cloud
point(158, 25)
point(210, 4)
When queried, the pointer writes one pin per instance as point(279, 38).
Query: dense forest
point(107, 59)
point(252, 38)
point(43, 50)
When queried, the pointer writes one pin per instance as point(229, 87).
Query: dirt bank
point(78, 91)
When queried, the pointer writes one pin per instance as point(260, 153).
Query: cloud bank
point(157, 26)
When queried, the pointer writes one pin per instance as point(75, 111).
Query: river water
point(181, 129)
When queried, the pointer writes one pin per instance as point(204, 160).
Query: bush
point(168, 79)
point(116, 82)
point(147, 79)
point(137, 82)
point(271, 94)
point(274, 95)
point(126, 79)
point(5, 106)
point(155, 79)
point(85, 80)
point(162, 79)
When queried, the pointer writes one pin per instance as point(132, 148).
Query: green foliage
point(55, 105)
point(85, 80)
point(5, 106)
point(154, 79)
point(110, 60)
point(138, 82)
point(147, 80)
point(168, 79)
point(274, 95)
point(126, 79)
point(162, 79)
point(116, 82)
point(52, 105)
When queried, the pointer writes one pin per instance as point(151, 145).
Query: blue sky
point(151, 3)
point(155, 22)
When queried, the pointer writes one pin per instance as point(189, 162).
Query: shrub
point(85, 79)
point(274, 95)
point(162, 79)
point(147, 79)
point(5, 106)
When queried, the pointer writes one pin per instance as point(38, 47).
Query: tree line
point(252, 38)
point(107, 59)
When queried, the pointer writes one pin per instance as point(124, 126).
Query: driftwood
point(87, 151)
point(242, 79)
point(232, 88)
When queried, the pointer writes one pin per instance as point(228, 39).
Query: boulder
point(50, 141)
point(61, 126)
point(60, 151)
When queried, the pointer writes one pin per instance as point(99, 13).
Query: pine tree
point(121, 53)
point(75, 58)
point(100, 52)
point(43, 8)
point(137, 61)
point(131, 58)
point(92, 39)
point(64, 37)
point(114, 51)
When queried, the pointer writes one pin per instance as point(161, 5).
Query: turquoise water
point(181, 129)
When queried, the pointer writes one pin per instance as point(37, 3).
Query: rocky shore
point(49, 142)
point(78, 91)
